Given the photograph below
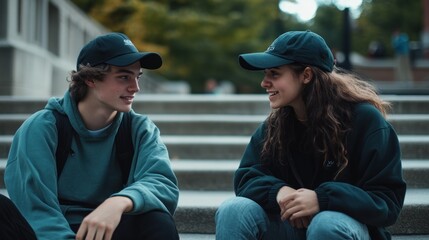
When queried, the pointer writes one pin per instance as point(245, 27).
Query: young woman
point(325, 164)
point(92, 198)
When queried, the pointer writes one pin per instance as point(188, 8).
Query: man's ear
point(90, 83)
point(307, 75)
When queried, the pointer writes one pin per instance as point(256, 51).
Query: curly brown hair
point(328, 99)
point(77, 85)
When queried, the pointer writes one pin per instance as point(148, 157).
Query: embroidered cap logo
point(128, 42)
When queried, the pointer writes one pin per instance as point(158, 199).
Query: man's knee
point(150, 225)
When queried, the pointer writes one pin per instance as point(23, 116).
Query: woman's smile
point(272, 93)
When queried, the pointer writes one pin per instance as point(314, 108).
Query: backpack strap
point(65, 136)
point(124, 146)
point(123, 142)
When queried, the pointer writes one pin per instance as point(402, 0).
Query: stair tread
point(225, 139)
point(190, 117)
point(212, 199)
point(222, 165)
point(228, 165)
point(206, 97)
point(190, 236)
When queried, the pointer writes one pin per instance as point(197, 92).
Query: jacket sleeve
point(377, 194)
point(253, 179)
point(31, 178)
point(152, 184)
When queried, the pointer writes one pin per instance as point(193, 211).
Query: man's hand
point(102, 222)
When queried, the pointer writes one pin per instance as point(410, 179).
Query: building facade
point(39, 44)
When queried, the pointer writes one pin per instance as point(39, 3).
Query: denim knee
point(336, 225)
point(240, 218)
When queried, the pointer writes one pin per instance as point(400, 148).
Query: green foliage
point(380, 18)
point(197, 39)
point(202, 39)
point(328, 22)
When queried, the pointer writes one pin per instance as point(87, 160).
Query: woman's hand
point(282, 195)
point(300, 204)
point(102, 222)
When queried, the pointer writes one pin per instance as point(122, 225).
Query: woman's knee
point(336, 225)
point(240, 218)
point(237, 208)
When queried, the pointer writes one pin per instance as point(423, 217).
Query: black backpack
point(123, 142)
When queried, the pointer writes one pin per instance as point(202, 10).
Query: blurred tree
point(197, 39)
point(380, 18)
point(202, 39)
point(328, 22)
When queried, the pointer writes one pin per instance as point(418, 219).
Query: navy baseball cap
point(303, 47)
point(116, 49)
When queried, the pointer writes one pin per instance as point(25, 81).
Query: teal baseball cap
point(116, 49)
point(303, 47)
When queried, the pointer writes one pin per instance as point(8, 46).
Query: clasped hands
point(297, 206)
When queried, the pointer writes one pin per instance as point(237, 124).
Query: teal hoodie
point(371, 189)
point(91, 174)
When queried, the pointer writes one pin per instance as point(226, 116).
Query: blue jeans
point(241, 218)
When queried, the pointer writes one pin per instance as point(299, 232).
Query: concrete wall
point(39, 44)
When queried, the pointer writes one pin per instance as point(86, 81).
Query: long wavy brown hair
point(328, 99)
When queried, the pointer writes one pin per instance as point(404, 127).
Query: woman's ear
point(307, 75)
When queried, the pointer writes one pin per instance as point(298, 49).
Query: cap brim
point(148, 60)
point(261, 60)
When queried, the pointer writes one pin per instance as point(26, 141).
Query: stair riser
point(154, 104)
point(223, 181)
point(413, 220)
point(196, 180)
point(410, 150)
point(411, 127)
point(157, 107)
point(204, 180)
point(218, 127)
point(9, 127)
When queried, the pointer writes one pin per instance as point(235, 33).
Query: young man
point(87, 198)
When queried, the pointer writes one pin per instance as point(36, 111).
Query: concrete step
point(173, 124)
point(232, 147)
point(183, 147)
point(208, 104)
point(163, 103)
point(409, 104)
point(208, 175)
point(187, 236)
point(196, 210)
point(212, 124)
point(217, 175)
point(410, 124)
